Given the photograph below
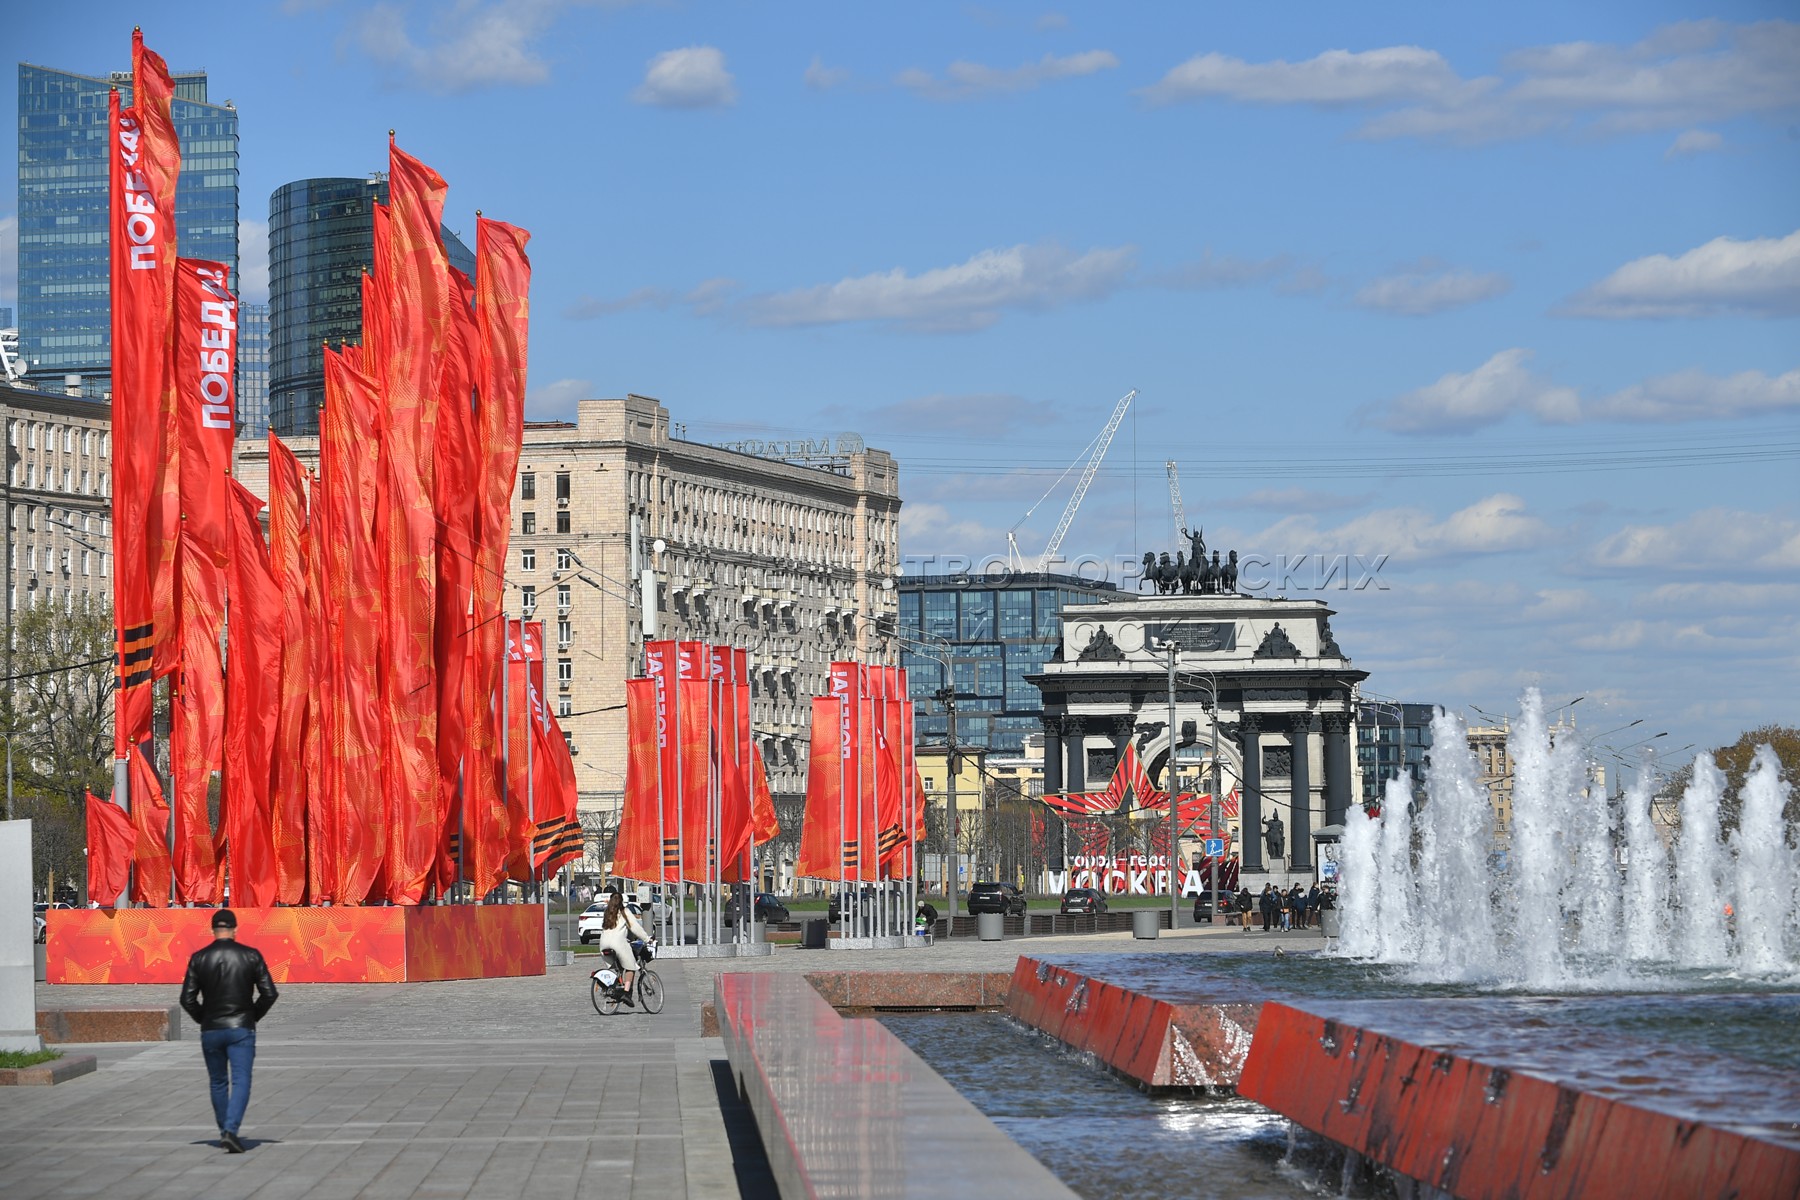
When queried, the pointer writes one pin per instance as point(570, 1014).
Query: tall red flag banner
point(821, 825)
point(556, 830)
point(317, 553)
point(524, 662)
point(110, 838)
point(197, 726)
point(731, 727)
point(205, 366)
point(766, 826)
point(288, 773)
point(252, 708)
point(150, 821)
point(351, 488)
point(418, 291)
point(502, 313)
point(637, 849)
point(144, 161)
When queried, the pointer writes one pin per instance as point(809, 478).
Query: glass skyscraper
point(65, 325)
point(321, 240)
point(991, 636)
point(253, 370)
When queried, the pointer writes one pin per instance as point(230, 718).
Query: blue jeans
point(229, 1053)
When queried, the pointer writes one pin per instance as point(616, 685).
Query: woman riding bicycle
point(617, 928)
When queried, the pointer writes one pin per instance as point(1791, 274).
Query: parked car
point(768, 908)
point(588, 925)
point(1083, 901)
point(1208, 903)
point(996, 898)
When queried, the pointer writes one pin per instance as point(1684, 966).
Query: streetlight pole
point(1170, 648)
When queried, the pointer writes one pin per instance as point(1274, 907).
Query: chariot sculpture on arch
point(1191, 573)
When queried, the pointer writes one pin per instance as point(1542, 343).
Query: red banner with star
point(197, 726)
point(206, 402)
point(252, 708)
point(288, 774)
point(110, 839)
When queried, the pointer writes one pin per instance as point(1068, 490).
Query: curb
point(56, 1071)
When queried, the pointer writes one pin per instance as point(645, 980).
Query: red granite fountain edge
point(1486, 1129)
point(876, 991)
point(57, 1026)
point(1158, 1045)
point(46, 1074)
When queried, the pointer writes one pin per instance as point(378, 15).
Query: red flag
point(288, 774)
point(197, 726)
point(144, 162)
point(765, 825)
point(316, 551)
point(524, 660)
point(417, 287)
point(731, 722)
point(351, 491)
point(556, 834)
point(455, 503)
point(150, 819)
point(205, 365)
point(252, 708)
point(821, 851)
point(502, 280)
point(637, 848)
point(110, 838)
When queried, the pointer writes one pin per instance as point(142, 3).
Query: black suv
point(1083, 901)
point(1208, 903)
point(996, 898)
point(768, 908)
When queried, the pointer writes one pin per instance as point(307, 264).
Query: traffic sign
point(1215, 847)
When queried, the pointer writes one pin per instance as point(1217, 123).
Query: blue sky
point(1509, 295)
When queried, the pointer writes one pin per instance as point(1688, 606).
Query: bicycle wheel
point(649, 992)
point(605, 1002)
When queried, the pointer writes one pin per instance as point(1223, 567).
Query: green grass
point(27, 1058)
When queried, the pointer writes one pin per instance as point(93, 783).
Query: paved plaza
point(491, 1088)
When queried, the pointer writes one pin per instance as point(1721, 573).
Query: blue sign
point(1215, 847)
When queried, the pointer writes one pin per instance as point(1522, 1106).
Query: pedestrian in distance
point(1313, 903)
point(617, 929)
point(227, 991)
point(1246, 904)
point(925, 919)
point(1271, 907)
point(1302, 910)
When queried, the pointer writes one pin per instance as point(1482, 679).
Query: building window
point(562, 486)
point(528, 559)
point(528, 599)
point(565, 634)
point(562, 520)
point(565, 706)
point(563, 599)
point(528, 486)
point(565, 560)
point(528, 522)
point(565, 671)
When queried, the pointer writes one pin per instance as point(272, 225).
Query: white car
point(649, 914)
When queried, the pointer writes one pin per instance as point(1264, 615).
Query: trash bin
point(990, 927)
point(1146, 923)
point(759, 932)
point(41, 961)
point(1329, 922)
point(812, 934)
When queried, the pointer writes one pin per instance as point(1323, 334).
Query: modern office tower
point(1392, 736)
point(6, 321)
point(991, 635)
point(321, 240)
point(253, 370)
point(64, 306)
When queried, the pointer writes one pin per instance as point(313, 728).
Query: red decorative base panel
point(303, 945)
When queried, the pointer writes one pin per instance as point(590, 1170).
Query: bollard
point(990, 927)
point(812, 934)
point(759, 932)
point(1146, 923)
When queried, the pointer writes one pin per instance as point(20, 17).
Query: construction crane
point(1175, 506)
point(1098, 447)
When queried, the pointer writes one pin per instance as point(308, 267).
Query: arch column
point(1300, 793)
point(1053, 755)
point(1337, 767)
point(1075, 773)
point(1249, 731)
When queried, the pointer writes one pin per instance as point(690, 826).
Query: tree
point(1735, 761)
point(57, 712)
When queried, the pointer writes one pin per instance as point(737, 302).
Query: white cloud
point(702, 299)
point(1721, 596)
point(1460, 403)
point(824, 78)
point(1757, 277)
point(1425, 289)
point(9, 261)
point(1711, 539)
point(253, 261)
point(691, 77)
point(1492, 525)
point(473, 46)
point(1292, 500)
point(969, 295)
point(1050, 21)
point(986, 416)
point(1332, 79)
point(1693, 141)
point(964, 80)
point(1220, 271)
point(1505, 385)
point(557, 401)
point(931, 529)
point(1681, 75)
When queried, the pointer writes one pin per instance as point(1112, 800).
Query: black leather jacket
point(227, 987)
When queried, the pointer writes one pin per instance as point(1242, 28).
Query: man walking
point(227, 991)
point(1271, 905)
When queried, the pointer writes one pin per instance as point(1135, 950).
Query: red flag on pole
point(455, 478)
point(252, 708)
point(205, 366)
point(150, 820)
point(765, 825)
point(288, 775)
point(197, 726)
point(637, 849)
point(144, 162)
point(110, 838)
point(821, 853)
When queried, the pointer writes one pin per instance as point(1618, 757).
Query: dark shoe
point(232, 1145)
point(630, 1001)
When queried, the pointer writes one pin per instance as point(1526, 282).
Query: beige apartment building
point(58, 497)
point(623, 529)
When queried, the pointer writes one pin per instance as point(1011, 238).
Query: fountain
point(1430, 889)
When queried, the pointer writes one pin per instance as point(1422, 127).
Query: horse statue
point(1168, 575)
point(1228, 576)
point(1148, 574)
point(1216, 573)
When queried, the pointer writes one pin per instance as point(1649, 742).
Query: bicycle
point(647, 988)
